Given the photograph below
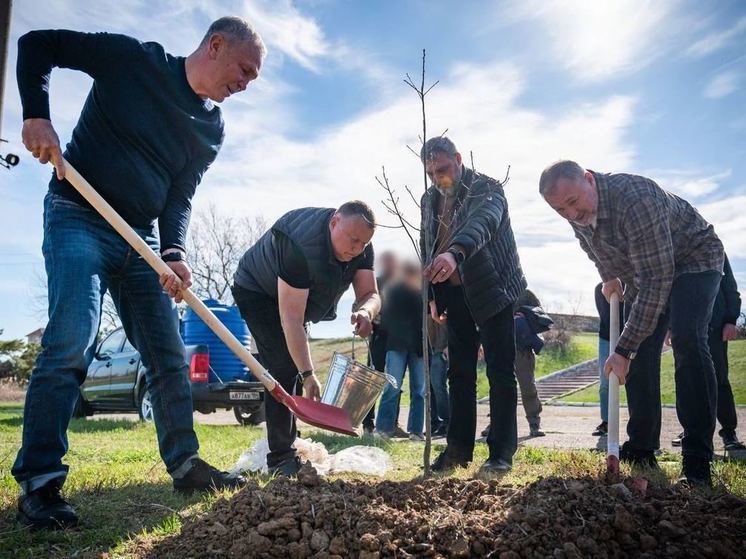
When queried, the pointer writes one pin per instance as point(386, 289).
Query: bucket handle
point(391, 380)
point(353, 345)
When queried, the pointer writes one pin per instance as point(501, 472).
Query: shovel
point(314, 413)
point(612, 437)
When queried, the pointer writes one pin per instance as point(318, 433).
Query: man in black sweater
point(148, 132)
point(467, 242)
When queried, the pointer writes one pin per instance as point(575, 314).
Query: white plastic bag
point(369, 460)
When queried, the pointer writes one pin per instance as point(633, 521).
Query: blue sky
point(655, 88)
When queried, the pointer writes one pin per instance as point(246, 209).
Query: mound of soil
point(461, 518)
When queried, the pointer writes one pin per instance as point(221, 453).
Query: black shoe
point(288, 468)
point(203, 477)
point(676, 441)
point(44, 508)
point(696, 472)
point(638, 458)
point(536, 432)
point(602, 430)
point(486, 431)
point(441, 431)
point(445, 463)
point(496, 466)
point(731, 442)
point(399, 433)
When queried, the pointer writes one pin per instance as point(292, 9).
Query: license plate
point(232, 395)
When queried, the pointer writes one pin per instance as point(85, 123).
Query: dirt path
point(565, 426)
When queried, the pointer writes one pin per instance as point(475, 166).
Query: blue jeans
point(396, 363)
point(603, 380)
point(84, 257)
point(439, 383)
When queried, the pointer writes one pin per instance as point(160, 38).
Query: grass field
point(737, 376)
point(121, 490)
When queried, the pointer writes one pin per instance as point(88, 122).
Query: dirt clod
point(565, 519)
point(308, 475)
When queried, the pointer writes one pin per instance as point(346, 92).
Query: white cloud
point(283, 27)
point(688, 184)
point(716, 41)
point(599, 40)
point(721, 85)
point(270, 173)
point(729, 217)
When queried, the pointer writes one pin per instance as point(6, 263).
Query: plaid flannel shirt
point(646, 237)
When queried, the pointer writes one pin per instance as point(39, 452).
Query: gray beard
point(449, 192)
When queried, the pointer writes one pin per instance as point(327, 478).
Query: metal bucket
point(354, 387)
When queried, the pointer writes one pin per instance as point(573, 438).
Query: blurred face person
point(350, 235)
point(444, 170)
point(412, 276)
point(575, 199)
point(388, 264)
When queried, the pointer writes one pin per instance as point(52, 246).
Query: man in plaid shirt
point(671, 261)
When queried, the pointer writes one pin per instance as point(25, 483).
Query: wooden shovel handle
point(612, 441)
point(129, 235)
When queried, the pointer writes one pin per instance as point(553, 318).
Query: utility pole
point(6, 6)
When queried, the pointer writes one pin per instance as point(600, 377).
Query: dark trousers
point(689, 311)
point(726, 407)
point(497, 336)
point(262, 315)
point(525, 368)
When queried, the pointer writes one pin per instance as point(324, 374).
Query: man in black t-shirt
point(296, 273)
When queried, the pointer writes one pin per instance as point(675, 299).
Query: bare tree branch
point(393, 207)
point(215, 245)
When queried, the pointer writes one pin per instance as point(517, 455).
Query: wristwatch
point(625, 352)
point(176, 256)
point(305, 374)
point(458, 254)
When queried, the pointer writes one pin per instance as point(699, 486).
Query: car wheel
point(246, 417)
point(145, 409)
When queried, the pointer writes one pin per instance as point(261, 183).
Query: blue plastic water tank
point(223, 361)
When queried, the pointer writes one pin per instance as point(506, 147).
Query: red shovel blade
point(612, 464)
point(317, 414)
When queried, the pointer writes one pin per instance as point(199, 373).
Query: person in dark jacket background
point(467, 242)
point(402, 320)
point(725, 315)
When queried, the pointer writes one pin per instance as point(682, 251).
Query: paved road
point(565, 426)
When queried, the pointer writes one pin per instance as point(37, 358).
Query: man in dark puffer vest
point(468, 245)
point(296, 273)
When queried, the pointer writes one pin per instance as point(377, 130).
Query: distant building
point(35, 336)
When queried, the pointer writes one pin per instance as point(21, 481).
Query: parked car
point(116, 383)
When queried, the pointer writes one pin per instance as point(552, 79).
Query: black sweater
point(144, 138)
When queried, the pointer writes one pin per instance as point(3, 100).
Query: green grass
point(120, 488)
point(736, 374)
point(584, 346)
